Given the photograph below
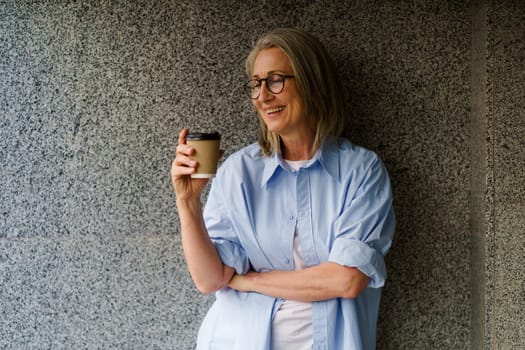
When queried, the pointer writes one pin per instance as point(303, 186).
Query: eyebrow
point(275, 71)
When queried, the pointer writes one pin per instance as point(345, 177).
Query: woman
point(295, 229)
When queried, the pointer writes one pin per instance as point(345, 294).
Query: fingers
point(182, 136)
point(184, 149)
point(183, 164)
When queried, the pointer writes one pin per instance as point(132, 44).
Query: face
point(282, 113)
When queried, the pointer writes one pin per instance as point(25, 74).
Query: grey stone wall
point(506, 175)
point(94, 93)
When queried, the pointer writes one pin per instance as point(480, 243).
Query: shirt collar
point(327, 156)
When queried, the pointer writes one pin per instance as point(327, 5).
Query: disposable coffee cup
point(206, 153)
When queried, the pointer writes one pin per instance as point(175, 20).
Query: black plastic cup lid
point(203, 136)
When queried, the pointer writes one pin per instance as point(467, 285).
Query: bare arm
point(206, 268)
point(325, 281)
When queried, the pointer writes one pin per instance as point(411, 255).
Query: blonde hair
point(316, 80)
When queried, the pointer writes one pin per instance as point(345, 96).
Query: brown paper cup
point(206, 153)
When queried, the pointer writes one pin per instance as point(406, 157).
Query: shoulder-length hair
point(316, 80)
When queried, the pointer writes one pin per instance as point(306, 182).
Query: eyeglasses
point(274, 83)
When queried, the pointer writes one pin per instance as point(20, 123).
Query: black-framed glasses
point(274, 83)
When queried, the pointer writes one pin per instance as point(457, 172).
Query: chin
point(274, 129)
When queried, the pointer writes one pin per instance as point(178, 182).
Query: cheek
point(297, 110)
point(256, 105)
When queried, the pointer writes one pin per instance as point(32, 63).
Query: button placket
point(304, 224)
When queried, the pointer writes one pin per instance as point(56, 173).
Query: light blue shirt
point(341, 202)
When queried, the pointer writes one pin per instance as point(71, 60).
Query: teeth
point(276, 109)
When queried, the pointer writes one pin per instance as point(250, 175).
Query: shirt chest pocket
point(270, 245)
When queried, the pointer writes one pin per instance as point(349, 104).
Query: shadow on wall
point(406, 124)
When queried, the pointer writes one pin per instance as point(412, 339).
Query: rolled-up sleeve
point(365, 228)
point(221, 232)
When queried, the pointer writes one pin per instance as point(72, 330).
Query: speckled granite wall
point(93, 94)
point(506, 117)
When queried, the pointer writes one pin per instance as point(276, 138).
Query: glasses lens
point(275, 83)
point(252, 88)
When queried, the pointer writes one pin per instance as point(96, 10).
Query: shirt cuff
point(355, 253)
point(232, 255)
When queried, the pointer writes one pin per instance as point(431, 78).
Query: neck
point(298, 149)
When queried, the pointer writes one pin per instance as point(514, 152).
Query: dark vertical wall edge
point(480, 334)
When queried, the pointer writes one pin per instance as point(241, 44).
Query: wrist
point(190, 203)
point(240, 283)
point(190, 211)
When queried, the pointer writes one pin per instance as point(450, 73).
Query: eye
point(275, 78)
point(254, 83)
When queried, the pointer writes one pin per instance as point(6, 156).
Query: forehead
point(271, 60)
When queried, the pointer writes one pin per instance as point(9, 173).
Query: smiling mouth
point(274, 110)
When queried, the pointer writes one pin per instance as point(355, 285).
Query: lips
point(274, 110)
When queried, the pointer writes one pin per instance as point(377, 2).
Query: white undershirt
point(292, 324)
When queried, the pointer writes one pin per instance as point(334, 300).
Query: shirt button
point(291, 217)
point(286, 261)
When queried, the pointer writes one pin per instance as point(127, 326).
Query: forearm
point(325, 281)
point(204, 263)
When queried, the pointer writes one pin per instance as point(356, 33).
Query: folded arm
point(325, 281)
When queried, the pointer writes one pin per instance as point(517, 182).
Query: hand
point(241, 282)
point(357, 282)
point(181, 169)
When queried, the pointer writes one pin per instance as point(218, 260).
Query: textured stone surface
point(93, 94)
point(96, 292)
point(507, 244)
